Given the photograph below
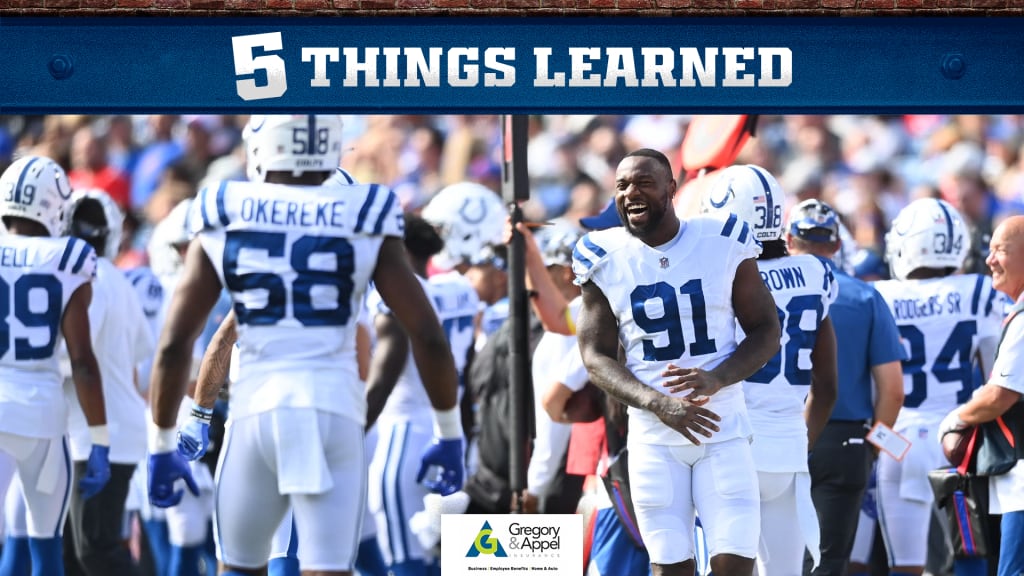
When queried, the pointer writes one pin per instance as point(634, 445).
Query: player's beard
point(655, 214)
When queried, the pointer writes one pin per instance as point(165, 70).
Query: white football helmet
point(168, 234)
point(291, 143)
point(469, 217)
point(928, 233)
point(112, 215)
point(35, 188)
point(751, 193)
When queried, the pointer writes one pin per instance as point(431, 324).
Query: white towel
point(301, 465)
point(807, 517)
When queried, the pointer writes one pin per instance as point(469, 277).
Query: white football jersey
point(297, 261)
point(456, 303)
point(37, 278)
point(121, 341)
point(150, 293)
point(673, 304)
point(942, 322)
point(804, 289)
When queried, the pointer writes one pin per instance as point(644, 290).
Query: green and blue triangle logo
point(485, 544)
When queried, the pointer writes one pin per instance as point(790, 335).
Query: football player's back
point(44, 293)
point(37, 277)
point(803, 287)
point(297, 261)
point(943, 321)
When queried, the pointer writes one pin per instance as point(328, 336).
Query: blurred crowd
point(868, 167)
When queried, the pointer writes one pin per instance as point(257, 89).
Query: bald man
point(1003, 392)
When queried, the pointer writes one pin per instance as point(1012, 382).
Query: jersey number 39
point(48, 316)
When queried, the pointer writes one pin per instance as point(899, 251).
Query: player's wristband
point(448, 423)
point(203, 415)
point(99, 435)
point(162, 440)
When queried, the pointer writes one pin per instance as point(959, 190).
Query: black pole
point(516, 188)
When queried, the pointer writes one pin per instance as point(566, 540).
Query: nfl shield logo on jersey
point(663, 262)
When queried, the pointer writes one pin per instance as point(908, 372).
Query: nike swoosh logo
point(1004, 375)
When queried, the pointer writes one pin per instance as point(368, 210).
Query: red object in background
point(585, 405)
point(109, 179)
point(710, 143)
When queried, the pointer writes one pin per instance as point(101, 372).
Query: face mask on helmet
point(752, 194)
point(469, 217)
point(91, 227)
point(35, 188)
point(291, 143)
point(928, 233)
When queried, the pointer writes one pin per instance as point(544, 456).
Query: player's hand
point(446, 454)
point(951, 423)
point(194, 439)
point(687, 418)
point(165, 469)
point(97, 471)
point(194, 435)
point(701, 382)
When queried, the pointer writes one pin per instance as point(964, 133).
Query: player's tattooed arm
point(386, 365)
point(599, 346)
point(213, 372)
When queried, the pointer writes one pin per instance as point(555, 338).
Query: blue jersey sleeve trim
point(579, 257)
point(346, 176)
point(81, 259)
point(976, 299)
point(379, 225)
point(222, 213)
point(743, 233)
point(72, 241)
point(597, 250)
point(365, 210)
point(991, 300)
point(202, 208)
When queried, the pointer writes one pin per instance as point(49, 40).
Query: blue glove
point(165, 469)
point(194, 435)
point(97, 472)
point(446, 455)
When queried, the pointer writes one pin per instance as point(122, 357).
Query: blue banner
point(521, 65)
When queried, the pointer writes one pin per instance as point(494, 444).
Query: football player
point(790, 398)
point(121, 339)
point(399, 405)
point(45, 291)
point(672, 292)
point(949, 323)
point(297, 258)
